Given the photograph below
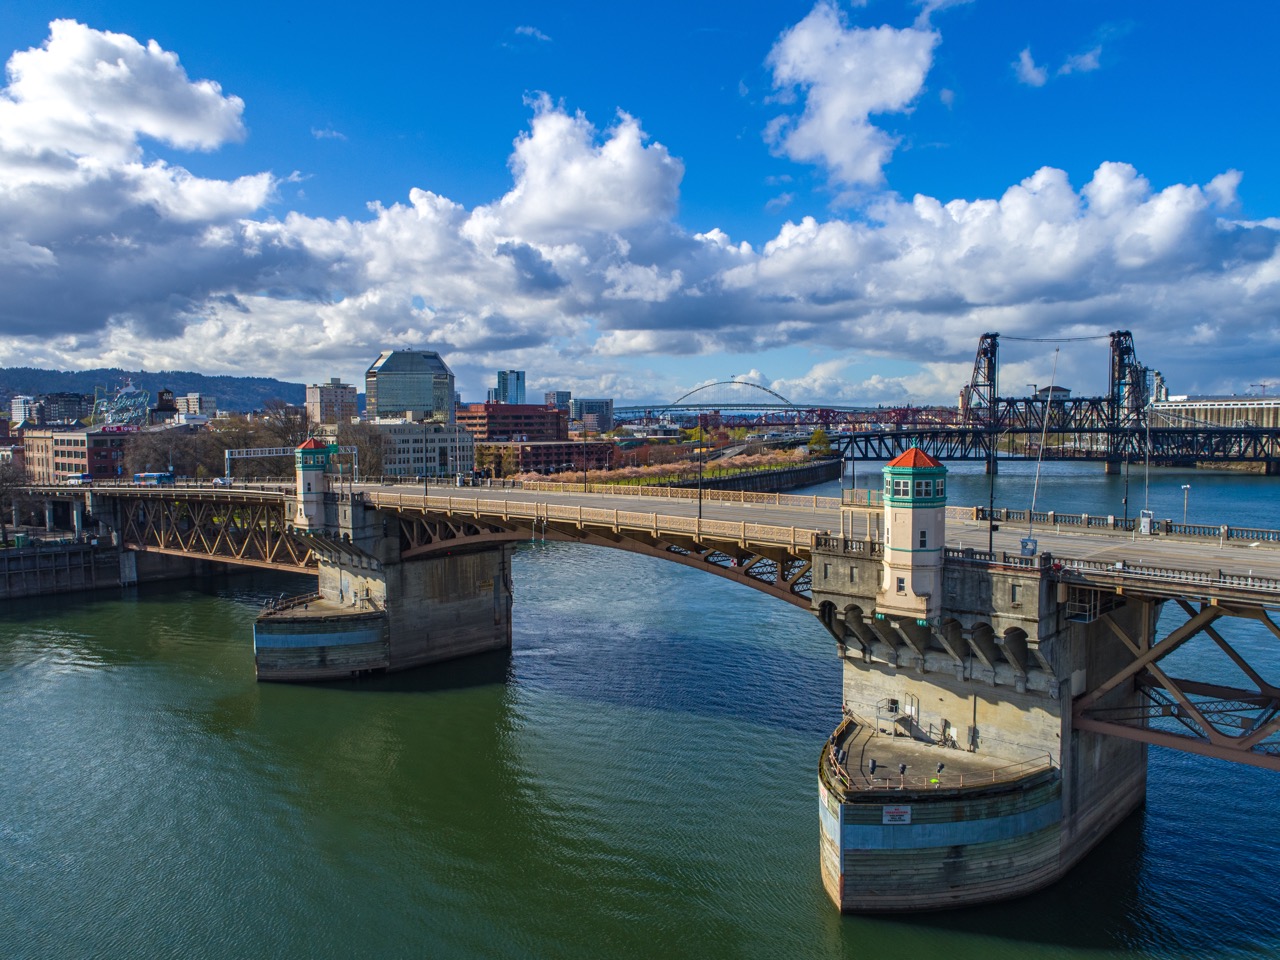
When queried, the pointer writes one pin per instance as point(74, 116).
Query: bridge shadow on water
point(1099, 905)
point(1146, 890)
point(477, 670)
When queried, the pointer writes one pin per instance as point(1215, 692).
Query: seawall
point(773, 481)
point(45, 569)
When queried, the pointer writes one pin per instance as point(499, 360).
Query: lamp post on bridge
point(1186, 493)
point(582, 427)
point(701, 448)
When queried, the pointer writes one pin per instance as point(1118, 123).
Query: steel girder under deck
point(777, 571)
point(252, 533)
point(1213, 720)
point(424, 534)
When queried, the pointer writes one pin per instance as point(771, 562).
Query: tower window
point(902, 584)
point(924, 488)
point(902, 488)
point(924, 539)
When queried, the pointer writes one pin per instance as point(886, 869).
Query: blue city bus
point(154, 479)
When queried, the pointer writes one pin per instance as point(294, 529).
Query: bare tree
point(283, 424)
point(12, 478)
point(368, 444)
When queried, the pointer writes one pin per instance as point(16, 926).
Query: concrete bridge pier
point(379, 606)
point(374, 613)
point(48, 516)
point(956, 775)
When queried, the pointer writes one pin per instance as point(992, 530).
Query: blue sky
point(834, 200)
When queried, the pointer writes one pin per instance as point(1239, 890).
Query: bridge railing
point(740, 531)
point(1214, 580)
point(848, 546)
point(686, 493)
point(1000, 558)
point(1086, 521)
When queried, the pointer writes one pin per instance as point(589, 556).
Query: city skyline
point(832, 200)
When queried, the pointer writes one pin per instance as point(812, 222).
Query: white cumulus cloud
point(847, 74)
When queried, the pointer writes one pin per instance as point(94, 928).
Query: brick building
point(53, 456)
point(513, 422)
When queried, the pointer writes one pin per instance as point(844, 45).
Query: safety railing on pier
point(276, 605)
point(891, 779)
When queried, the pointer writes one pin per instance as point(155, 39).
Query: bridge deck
point(791, 522)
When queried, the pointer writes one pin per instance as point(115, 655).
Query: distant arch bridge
point(741, 403)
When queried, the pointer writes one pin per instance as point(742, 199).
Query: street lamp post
point(582, 426)
point(991, 494)
point(1146, 480)
point(701, 447)
point(1186, 492)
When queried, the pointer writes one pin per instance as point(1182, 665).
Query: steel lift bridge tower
point(1113, 425)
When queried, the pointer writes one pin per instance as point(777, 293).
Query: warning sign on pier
point(895, 815)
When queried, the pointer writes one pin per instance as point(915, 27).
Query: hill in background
point(236, 394)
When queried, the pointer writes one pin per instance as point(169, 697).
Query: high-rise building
point(510, 387)
point(26, 408)
point(332, 402)
point(66, 407)
point(593, 414)
point(558, 398)
point(413, 383)
point(196, 404)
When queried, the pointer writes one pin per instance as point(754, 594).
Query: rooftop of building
point(410, 361)
point(916, 458)
point(1232, 398)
